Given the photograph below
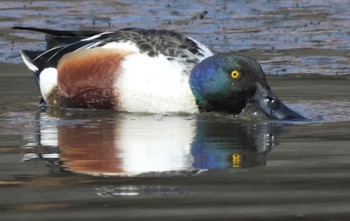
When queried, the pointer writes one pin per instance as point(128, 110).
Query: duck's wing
point(59, 43)
point(171, 44)
point(151, 42)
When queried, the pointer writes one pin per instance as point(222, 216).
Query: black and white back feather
point(149, 41)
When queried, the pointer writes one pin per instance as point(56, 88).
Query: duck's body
point(138, 70)
point(133, 70)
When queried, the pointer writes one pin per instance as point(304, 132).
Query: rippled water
point(75, 165)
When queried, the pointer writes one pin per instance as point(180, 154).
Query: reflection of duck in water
point(154, 71)
point(132, 145)
point(232, 144)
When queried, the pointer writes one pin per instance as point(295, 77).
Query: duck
point(147, 71)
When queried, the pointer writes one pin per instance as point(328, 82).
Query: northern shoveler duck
point(154, 71)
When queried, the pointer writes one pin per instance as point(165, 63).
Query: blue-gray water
point(90, 165)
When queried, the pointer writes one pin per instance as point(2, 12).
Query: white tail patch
point(28, 62)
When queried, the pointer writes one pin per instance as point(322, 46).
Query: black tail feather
point(54, 41)
point(31, 54)
point(67, 33)
point(34, 62)
point(56, 38)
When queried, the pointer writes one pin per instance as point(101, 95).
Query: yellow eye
point(236, 160)
point(235, 74)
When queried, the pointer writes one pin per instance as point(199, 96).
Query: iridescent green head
point(227, 82)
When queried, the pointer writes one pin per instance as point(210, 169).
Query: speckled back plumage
point(149, 41)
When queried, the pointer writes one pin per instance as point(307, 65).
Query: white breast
point(154, 85)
